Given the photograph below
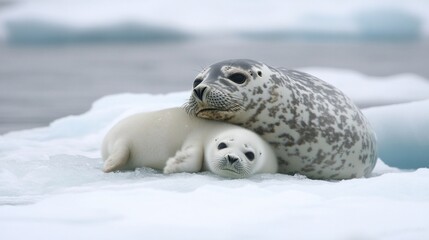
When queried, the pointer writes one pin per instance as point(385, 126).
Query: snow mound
point(402, 133)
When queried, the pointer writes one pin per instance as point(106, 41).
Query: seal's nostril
point(199, 92)
point(232, 159)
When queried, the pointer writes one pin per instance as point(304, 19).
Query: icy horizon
point(53, 22)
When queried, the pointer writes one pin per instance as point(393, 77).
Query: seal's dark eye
point(250, 156)
point(238, 78)
point(221, 145)
point(197, 82)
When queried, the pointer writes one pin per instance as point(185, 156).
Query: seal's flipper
point(118, 158)
point(187, 159)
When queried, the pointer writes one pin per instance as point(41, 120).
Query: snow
point(52, 186)
point(100, 20)
point(194, 206)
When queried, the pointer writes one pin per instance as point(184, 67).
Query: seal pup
point(171, 141)
point(313, 127)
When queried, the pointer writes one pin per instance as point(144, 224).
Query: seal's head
point(229, 89)
point(239, 153)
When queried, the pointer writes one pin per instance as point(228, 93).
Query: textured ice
point(402, 133)
point(68, 21)
point(52, 186)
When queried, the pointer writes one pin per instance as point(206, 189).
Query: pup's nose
point(232, 159)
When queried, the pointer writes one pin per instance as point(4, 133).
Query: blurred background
point(59, 56)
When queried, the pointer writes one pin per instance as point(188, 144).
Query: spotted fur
point(313, 127)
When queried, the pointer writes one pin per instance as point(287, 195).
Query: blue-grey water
point(41, 83)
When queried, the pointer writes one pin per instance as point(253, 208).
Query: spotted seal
point(171, 141)
point(313, 127)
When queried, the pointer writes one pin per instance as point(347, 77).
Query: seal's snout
point(232, 159)
point(199, 92)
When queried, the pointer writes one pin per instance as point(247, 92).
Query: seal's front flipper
point(187, 159)
point(117, 159)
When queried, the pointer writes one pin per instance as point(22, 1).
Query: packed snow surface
point(52, 186)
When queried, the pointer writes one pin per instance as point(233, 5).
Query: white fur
point(171, 141)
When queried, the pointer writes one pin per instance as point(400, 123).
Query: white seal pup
point(171, 141)
point(313, 127)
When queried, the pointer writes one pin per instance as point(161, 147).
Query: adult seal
point(312, 126)
point(171, 141)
